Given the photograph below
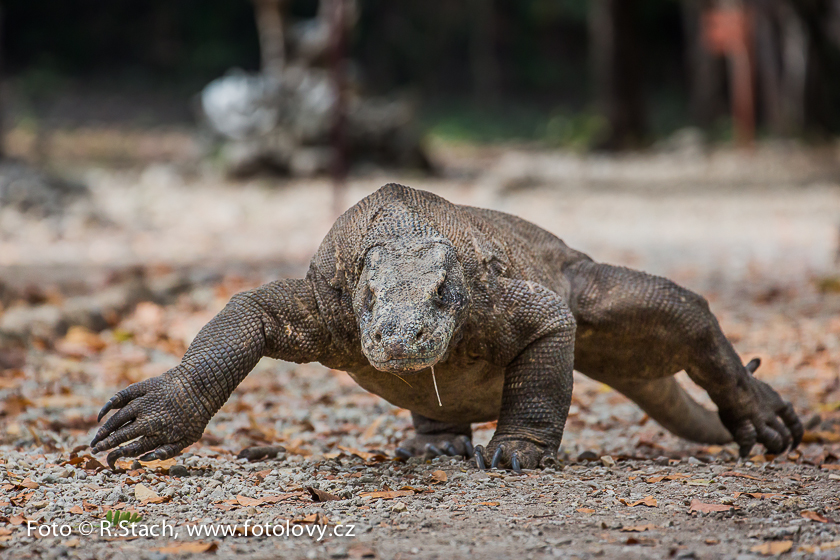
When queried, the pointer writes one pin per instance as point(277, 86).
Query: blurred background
point(157, 157)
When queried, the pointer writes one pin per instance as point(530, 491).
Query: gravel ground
point(758, 239)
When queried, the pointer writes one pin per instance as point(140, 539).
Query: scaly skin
point(407, 285)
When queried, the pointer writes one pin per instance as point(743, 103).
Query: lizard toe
point(479, 458)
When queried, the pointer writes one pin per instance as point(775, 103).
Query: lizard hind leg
point(672, 407)
point(635, 331)
point(437, 438)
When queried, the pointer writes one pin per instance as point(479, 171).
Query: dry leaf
point(162, 465)
point(814, 516)
point(316, 518)
point(649, 501)
point(320, 495)
point(585, 510)
point(79, 342)
point(773, 548)
point(820, 437)
point(246, 501)
point(831, 467)
point(697, 505)
point(675, 476)
point(28, 483)
point(386, 495)
point(370, 431)
point(764, 495)
point(76, 509)
point(194, 547)
point(639, 528)
point(739, 475)
point(364, 454)
point(438, 477)
point(491, 504)
point(143, 492)
point(93, 464)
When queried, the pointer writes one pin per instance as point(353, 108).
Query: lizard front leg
point(537, 331)
point(163, 415)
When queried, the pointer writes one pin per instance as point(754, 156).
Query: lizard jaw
point(405, 365)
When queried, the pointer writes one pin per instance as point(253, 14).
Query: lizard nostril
point(419, 334)
point(377, 337)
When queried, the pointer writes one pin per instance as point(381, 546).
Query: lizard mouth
point(406, 365)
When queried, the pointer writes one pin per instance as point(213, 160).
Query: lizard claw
point(432, 450)
point(514, 464)
point(403, 453)
point(757, 414)
point(449, 449)
point(497, 456)
point(436, 445)
point(479, 458)
point(469, 450)
point(517, 455)
point(147, 423)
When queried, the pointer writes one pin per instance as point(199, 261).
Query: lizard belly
point(469, 392)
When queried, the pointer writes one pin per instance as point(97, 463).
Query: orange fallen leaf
point(76, 509)
point(831, 467)
point(697, 505)
point(639, 528)
point(675, 476)
point(739, 475)
point(491, 504)
point(820, 437)
point(438, 477)
point(386, 495)
point(28, 483)
point(764, 495)
point(93, 464)
point(316, 518)
point(585, 510)
point(246, 501)
point(194, 547)
point(143, 492)
point(814, 516)
point(367, 456)
point(648, 501)
point(773, 548)
point(320, 495)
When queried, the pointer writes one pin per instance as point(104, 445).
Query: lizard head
point(410, 300)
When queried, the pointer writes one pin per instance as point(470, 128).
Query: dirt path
point(763, 254)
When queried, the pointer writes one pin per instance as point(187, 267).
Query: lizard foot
point(513, 454)
point(434, 445)
point(759, 415)
point(156, 419)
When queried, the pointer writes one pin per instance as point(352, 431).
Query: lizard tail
point(666, 401)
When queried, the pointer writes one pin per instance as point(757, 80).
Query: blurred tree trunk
point(792, 39)
point(617, 71)
point(706, 72)
point(269, 17)
point(485, 69)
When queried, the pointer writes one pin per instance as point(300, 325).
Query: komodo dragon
point(463, 315)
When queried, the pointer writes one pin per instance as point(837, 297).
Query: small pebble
point(178, 470)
